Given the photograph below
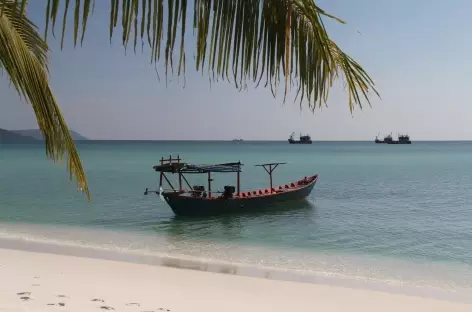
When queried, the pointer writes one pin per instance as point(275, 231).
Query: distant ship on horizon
point(402, 139)
point(304, 139)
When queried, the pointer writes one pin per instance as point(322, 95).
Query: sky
point(419, 54)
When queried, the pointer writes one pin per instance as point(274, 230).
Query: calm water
point(394, 213)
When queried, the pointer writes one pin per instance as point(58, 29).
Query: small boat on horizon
point(198, 201)
point(402, 139)
point(304, 139)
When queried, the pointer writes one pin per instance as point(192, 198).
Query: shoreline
point(34, 281)
point(202, 265)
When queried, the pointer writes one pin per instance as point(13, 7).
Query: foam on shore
point(250, 261)
point(43, 282)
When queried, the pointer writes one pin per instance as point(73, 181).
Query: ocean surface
point(394, 214)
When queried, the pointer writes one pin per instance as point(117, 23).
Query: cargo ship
point(402, 139)
point(304, 139)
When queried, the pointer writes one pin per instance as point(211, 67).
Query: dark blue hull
point(299, 142)
point(184, 205)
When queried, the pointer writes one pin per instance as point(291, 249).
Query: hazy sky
point(419, 53)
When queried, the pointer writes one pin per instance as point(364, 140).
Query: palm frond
point(23, 56)
point(241, 39)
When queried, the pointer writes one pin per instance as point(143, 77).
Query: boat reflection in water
point(234, 226)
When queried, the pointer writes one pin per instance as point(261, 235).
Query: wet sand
point(33, 281)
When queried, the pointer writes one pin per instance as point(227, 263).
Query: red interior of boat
point(276, 190)
point(281, 188)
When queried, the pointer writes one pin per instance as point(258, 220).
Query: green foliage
point(23, 56)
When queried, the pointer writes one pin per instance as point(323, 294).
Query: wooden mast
point(209, 185)
point(161, 174)
point(180, 174)
point(238, 184)
point(271, 167)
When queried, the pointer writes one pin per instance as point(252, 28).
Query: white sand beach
point(31, 281)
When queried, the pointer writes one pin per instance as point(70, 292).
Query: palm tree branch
point(23, 56)
point(255, 36)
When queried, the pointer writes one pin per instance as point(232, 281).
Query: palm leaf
point(23, 56)
point(281, 39)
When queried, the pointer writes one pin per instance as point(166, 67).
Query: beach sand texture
point(32, 281)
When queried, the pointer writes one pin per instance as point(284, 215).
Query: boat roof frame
point(173, 165)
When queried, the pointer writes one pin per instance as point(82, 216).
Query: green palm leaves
point(263, 41)
point(23, 56)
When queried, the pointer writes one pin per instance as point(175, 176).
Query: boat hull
point(392, 142)
point(183, 205)
point(299, 142)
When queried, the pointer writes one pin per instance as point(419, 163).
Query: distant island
point(35, 133)
point(12, 137)
point(29, 136)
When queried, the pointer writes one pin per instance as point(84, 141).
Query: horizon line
point(258, 140)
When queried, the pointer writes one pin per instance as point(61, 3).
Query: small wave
point(290, 265)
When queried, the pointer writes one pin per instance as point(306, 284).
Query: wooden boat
point(198, 201)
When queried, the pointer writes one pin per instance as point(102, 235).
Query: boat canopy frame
point(174, 165)
point(189, 168)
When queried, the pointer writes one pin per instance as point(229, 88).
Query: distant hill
point(36, 134)
point(12, 137)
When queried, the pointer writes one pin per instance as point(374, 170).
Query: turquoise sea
point(395, 215)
